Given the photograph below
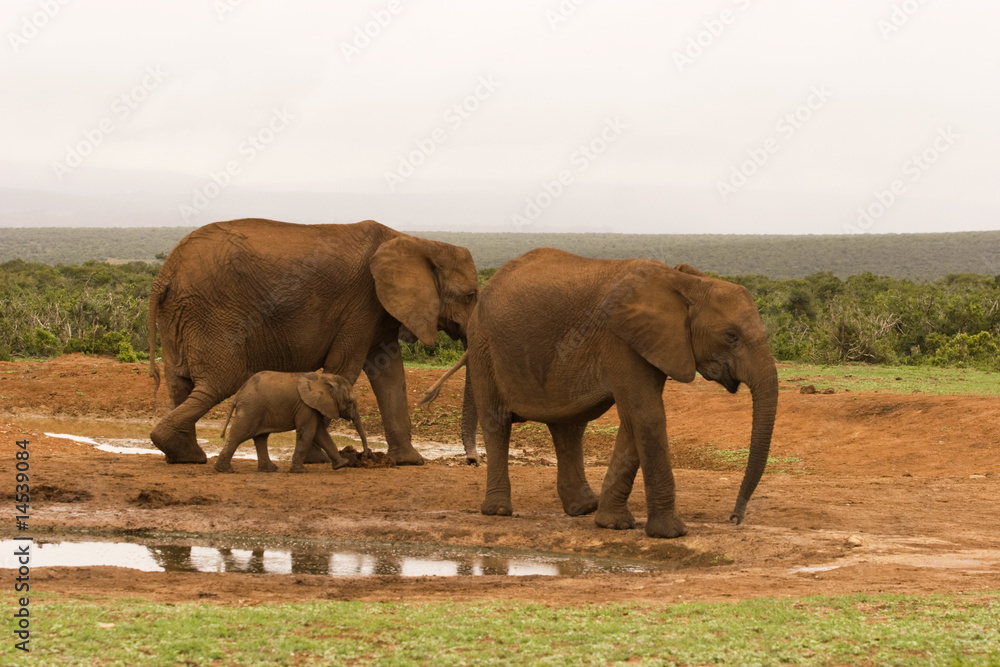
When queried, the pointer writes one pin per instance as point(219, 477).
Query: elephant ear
point(687, 268)
point(316, 393)
point(404, 283)
point(647, 311)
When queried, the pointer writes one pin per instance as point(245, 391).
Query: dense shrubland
point(100, 308)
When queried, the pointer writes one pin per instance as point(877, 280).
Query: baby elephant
point(271, 402)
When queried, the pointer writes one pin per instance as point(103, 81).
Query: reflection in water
point(359, 560)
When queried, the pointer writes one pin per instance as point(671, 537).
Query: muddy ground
point(867, 492)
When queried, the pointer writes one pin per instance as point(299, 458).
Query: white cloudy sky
point(679, 129)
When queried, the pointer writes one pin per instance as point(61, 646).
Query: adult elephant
point(238, 297)
point(559, 339)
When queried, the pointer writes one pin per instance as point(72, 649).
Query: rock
point(808, 389)
point(853, 541)
point(828, 390)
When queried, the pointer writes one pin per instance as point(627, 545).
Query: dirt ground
point(868, 492)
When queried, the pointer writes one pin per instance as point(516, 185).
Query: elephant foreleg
point(613, 512)
point(639, 396)
point(175, 434)
point(574, 490)
point(388, 380)
point(326, 442)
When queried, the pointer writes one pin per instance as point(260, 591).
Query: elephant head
point(332, 396)
point(682, 321)
point(426, 285)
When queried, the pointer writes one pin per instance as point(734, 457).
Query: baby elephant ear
point(647, 310)
point(318, 395)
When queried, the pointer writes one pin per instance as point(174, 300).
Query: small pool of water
point(280, 446)
point(338, 559)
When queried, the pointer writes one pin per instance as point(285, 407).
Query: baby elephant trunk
point(356, 418)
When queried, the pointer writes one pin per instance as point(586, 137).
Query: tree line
point(913, 256)
point(101, 308)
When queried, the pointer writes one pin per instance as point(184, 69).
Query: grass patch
point(892, 379)
point(710, 458)
point(859, 629)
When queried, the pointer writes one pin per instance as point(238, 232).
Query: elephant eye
point(468, 298)
point(732, 337)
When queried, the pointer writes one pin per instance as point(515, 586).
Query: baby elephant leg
point(326, 442)
point(305, 431)
point(264, 463)
point(224, 462)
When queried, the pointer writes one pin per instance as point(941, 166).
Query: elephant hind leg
point(496, 432)
point(264, 463)
point(574, 490)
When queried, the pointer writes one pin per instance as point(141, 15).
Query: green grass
point(957, 629)
point(893, 379)
point(736, 459)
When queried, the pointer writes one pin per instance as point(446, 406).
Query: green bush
point(979, 350)
point(42, 343)
point(444, 352)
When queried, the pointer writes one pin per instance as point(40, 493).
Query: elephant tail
point(230, 416)
point(155, 295)
point(432, 393)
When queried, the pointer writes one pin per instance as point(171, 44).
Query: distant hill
point(914, 256)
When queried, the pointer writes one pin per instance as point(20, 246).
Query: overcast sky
point(770, 116)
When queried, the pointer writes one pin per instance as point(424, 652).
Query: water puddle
point(338, 559)
point(280, 446)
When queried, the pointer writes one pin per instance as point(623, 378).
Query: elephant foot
point(297, 469)
point(472, 461)
point(406, 456)
point(267, 467)
point(316, 455)
point(342, 463)
point(578, 506)
point(178, 449)
point(497, 507)
point(615, 520)
point(665, 525)
point(223, 467)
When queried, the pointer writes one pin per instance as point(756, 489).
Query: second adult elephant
point(238, 297)
point(559, 339)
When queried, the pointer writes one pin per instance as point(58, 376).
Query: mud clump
point(55, 494)
point(375, 460)
point(153, 499)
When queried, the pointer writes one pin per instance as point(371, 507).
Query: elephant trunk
point(356, 418)
point(763, 384)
